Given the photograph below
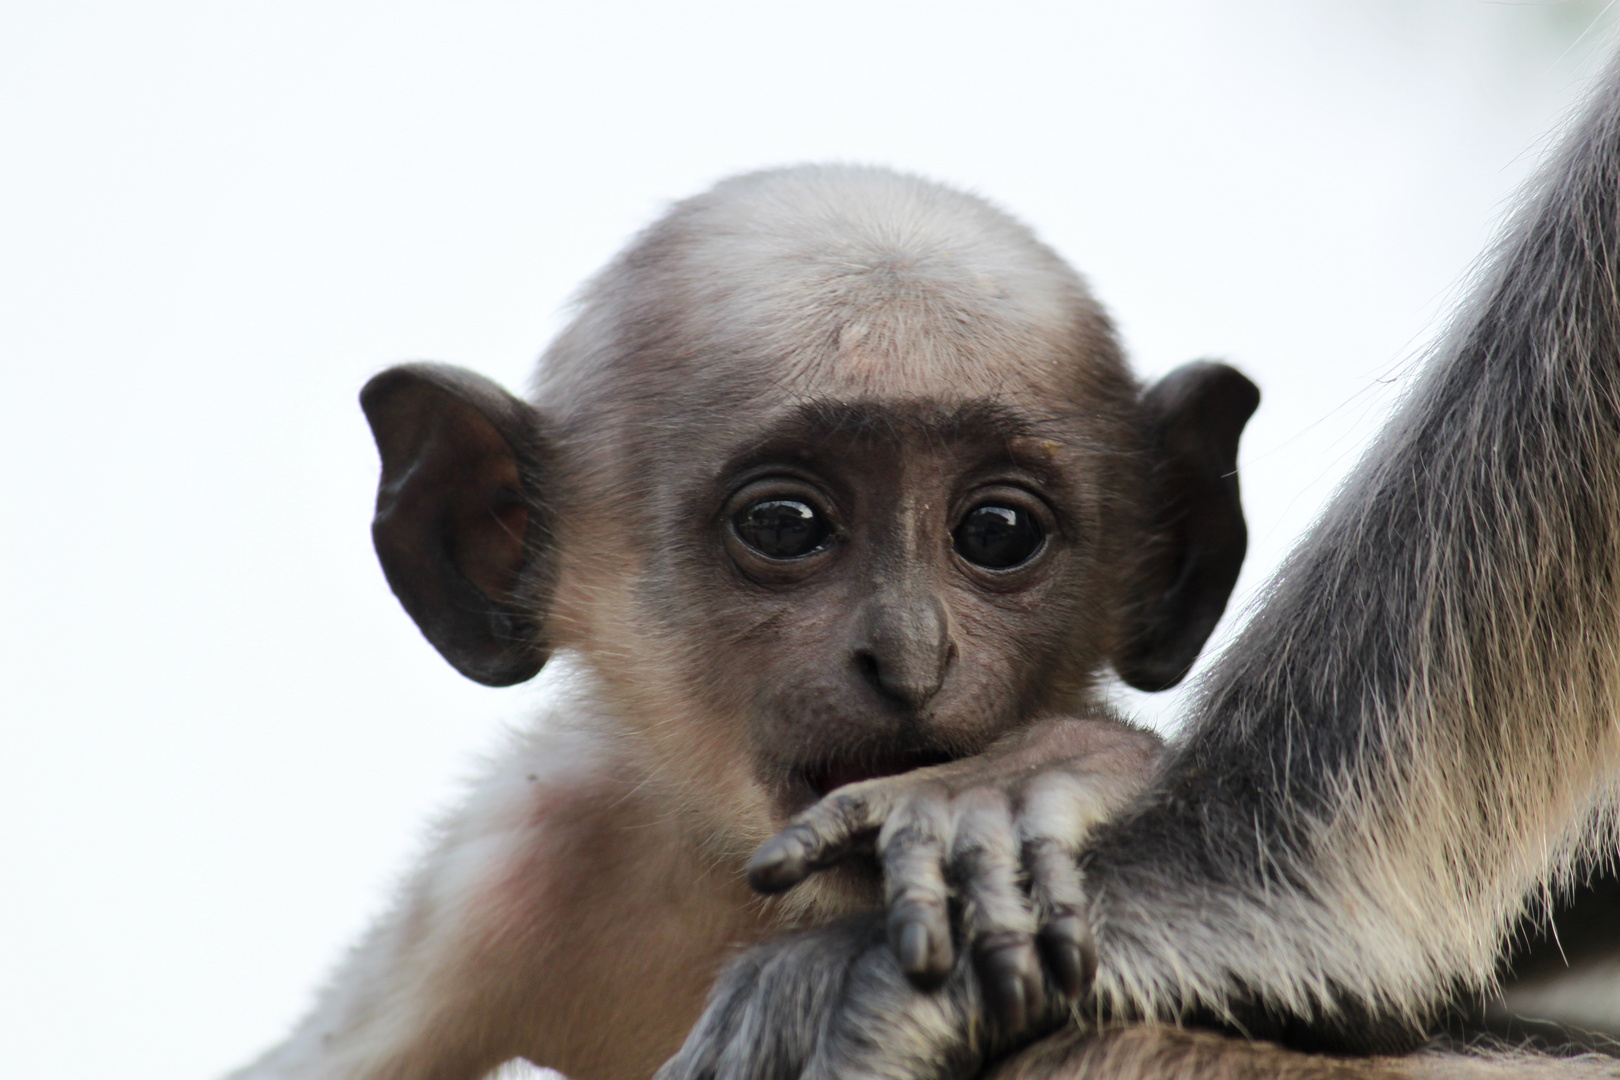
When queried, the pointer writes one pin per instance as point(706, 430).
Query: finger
point(820, 836)
point(997, 918)
point(1065, 933)
point(913, 846)
point(1056, 815)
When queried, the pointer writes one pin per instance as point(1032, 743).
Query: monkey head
point(835, 473)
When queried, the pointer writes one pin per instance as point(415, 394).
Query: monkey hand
point(985, 846)
point(833, 1004)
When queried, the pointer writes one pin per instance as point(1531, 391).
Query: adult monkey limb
point(837, 474)
point(1416, 733)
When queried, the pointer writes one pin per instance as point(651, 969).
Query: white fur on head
point(869, 277)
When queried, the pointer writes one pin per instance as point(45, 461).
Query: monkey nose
point(905, 648)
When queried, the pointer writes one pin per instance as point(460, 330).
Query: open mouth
point(870, 764)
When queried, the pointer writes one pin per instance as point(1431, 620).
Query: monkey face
point(874, 585)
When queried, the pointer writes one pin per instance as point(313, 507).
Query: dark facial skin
point(884, 646)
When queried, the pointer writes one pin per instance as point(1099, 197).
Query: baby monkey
point(828, 513)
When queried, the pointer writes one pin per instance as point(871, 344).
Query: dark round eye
point(781, 528)
point(998, 537)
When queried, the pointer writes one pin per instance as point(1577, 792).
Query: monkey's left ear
point(457, 517)
point(1194, 417)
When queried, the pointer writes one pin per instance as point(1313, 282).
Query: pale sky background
point(222, 739)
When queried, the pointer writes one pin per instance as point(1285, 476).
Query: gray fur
point(1416, 731)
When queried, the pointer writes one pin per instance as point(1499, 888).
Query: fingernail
point(913, 950)
point(1035, 993)
point(1010, 991)
point(1066, 942)
point(775, 866)
point(1067, 967)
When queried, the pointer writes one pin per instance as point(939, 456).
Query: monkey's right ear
point(457, 519)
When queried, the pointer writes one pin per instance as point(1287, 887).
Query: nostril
point(895, 682)
point(867, 664)
point(880, 678)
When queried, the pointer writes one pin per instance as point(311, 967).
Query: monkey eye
point(782, 528)
point(998, 537)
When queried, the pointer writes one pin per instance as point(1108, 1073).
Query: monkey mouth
point(869, 764)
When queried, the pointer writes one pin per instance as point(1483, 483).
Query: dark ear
point(1193, 418)
point(458, 514)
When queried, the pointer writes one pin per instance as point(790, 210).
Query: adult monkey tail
point(1416, 735)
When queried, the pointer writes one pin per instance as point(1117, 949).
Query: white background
point(220, 738)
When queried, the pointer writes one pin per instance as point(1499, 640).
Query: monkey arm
point(832, 1004)
point(1417, 729)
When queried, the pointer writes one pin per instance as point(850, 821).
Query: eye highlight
point(782, 528)
point(998, 537)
